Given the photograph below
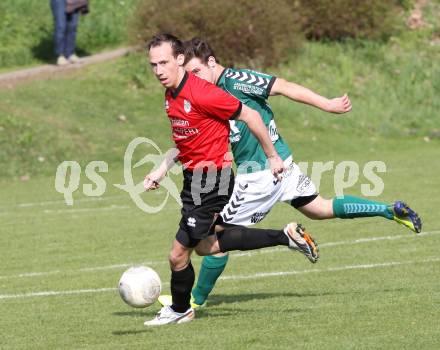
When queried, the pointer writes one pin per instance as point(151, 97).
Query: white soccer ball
point(140, 286)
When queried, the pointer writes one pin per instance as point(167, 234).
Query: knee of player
point(177, 260)
point(200, 251)
point(207, 247)
point(319, 215)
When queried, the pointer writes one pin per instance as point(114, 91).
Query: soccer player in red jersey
point(199, 113)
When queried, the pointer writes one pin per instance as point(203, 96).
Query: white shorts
point(256, 193)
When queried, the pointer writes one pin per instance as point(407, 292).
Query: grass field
point(376, 285)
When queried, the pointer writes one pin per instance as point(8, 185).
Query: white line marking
point(85, 210)
point(333, 244)
point(85, 269)
point(330, 269)
point(231, 277)
point(45, 203)
point(36, 274)
point(118, 266)
point(233, 255)
point(79, 200)
point(54, 293)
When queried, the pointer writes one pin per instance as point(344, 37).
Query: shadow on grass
point(134, 313)
point(218, 299)
point(131, 332)
point(44, 50)
point(223, 310)
point(213, 300)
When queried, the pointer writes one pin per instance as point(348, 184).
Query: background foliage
point(26, 29)
point(394, 86)
point(340, 19)
point(263, 33)
point(260, 32)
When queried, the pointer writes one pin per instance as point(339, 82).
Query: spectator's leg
point(72, 23)
point(59, 15)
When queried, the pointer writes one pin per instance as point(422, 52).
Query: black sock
point(181, 284)
point(244, 238)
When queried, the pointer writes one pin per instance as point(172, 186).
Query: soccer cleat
point(167, 300)
point(404, 215)
point(167, 315)
point(300, 240)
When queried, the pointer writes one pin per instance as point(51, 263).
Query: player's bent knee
point(207, 248)
point(201, 251)
point(318, 209)
point(316, 215)
point(177, 260)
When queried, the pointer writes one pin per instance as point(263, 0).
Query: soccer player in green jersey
point(255, 192)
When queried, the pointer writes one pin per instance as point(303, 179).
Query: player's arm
point(256, 126)
point(301, 94)
point(219, 104)
point(152, 180)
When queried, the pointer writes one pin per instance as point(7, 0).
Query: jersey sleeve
point(217, 103)
point(249, 83)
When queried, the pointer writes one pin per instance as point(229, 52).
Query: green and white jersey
point(251, 88)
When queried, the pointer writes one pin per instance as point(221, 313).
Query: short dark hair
point(161, 38)
point(198, 48)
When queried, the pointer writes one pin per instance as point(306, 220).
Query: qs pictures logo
point(68, 176)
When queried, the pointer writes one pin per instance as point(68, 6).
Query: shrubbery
point(340, 19)
point(259, 32)
point(263, 32)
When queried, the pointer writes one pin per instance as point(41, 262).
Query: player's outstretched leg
point(301, 241)
point(244, 238)
point(350, 207)
point(406, 216)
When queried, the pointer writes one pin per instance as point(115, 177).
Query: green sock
point(212, 267)
point(349, 207)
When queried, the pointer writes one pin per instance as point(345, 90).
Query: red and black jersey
point(199, 113)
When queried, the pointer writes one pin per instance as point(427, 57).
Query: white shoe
point(73, 58)
point(167, 315)
point(62, 61)
point(301, 241)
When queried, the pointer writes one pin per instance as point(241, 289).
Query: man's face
point(165, 66)
point(200, 69)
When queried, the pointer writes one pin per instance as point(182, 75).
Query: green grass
point(362, 294)
point(76, 117)
point(26, 30)
point(327, 305)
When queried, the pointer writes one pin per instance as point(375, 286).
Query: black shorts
point(203, 196)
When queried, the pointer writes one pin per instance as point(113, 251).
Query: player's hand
point(276, 166)
point(150, 184)
point(339, 105)
point(151, 181)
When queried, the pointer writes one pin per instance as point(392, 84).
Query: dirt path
point(11, 79)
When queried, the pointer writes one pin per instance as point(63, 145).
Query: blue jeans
point(65, 28)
